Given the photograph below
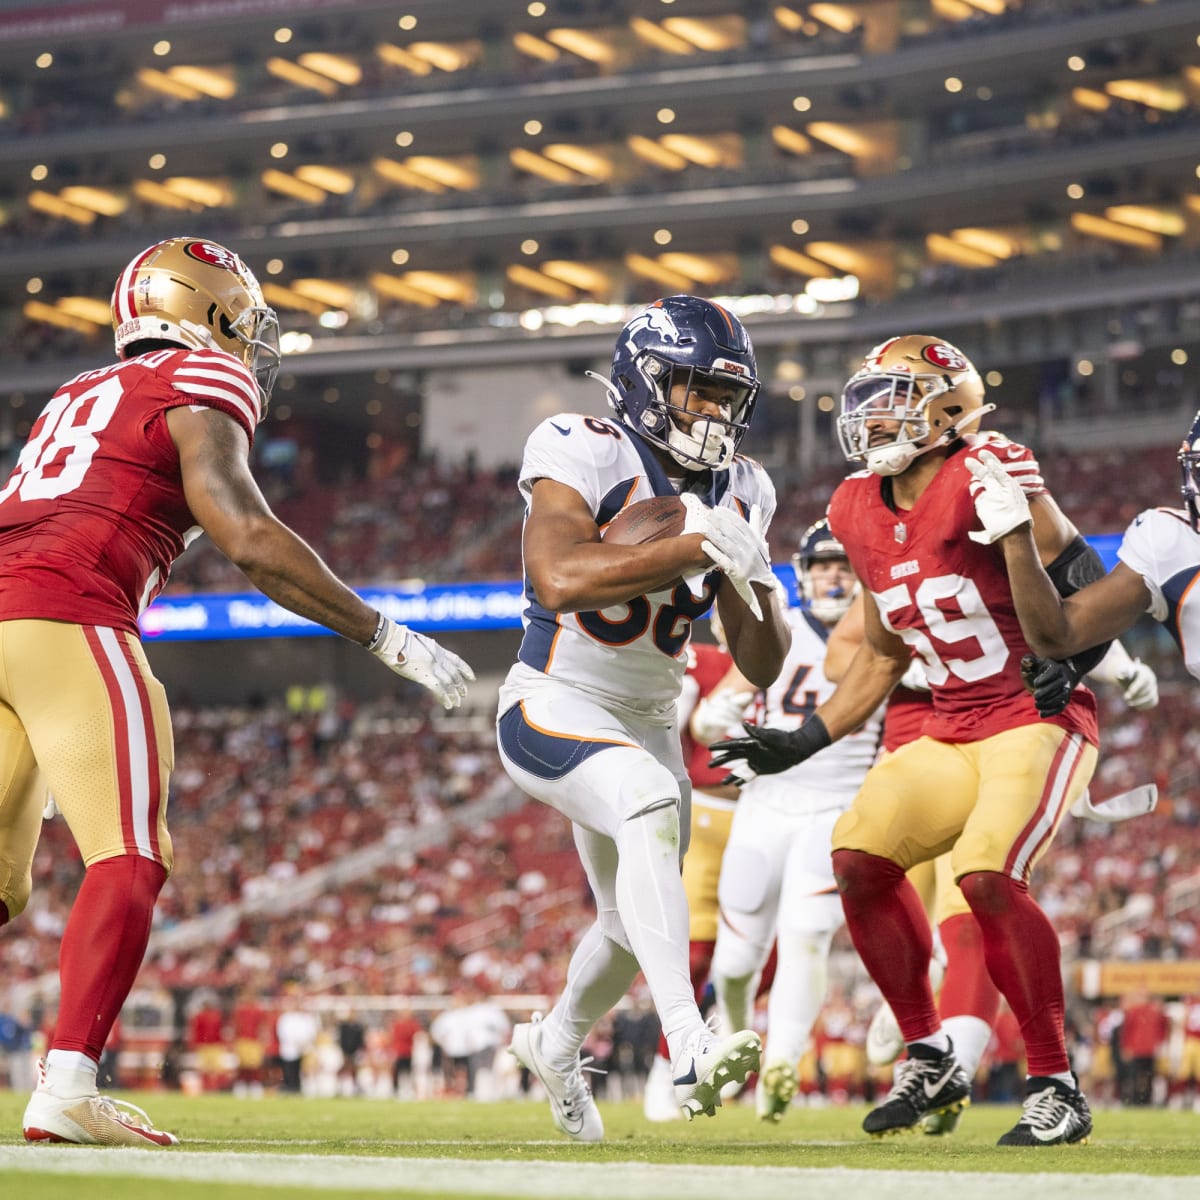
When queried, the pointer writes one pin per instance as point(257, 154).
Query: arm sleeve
point(1076, 567)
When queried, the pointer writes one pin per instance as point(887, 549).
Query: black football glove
point(769, 751)
point(1051, 682)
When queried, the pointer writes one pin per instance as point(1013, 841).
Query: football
point(647, 521)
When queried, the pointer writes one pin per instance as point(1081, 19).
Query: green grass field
point(354, 1149)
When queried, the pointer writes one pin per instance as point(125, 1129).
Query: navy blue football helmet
point(683, 339)
point(1189, 465)
point(817, 544)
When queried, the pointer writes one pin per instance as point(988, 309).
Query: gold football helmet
point(200, 295)
point(926, 386)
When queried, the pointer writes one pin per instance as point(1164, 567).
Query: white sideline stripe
point(581, 1181)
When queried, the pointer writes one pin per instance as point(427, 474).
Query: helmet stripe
point(728, 319)
point(123, 294)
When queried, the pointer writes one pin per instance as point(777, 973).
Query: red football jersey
point(949, 598)
point(707, 664)
point(905, 716)
point(93, 514)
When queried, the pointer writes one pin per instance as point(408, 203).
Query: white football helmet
point(197, 294)
point(819, 545)
point(925, 385)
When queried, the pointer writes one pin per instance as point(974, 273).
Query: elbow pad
point(1076, 567)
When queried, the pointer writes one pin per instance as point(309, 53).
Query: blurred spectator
point(1187, 1076)
point(352, 1040)
point(207, 1039)
point(1142, 1035)
point(297, 1030)
point(405, 1028)
point(250, 1022)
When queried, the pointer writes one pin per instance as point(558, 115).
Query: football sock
point(939, 1043)
point(891, 933)
point(598, 975)
point(653, 909)
point(700, 954)
point(103, 947)
point(801, 981)
point(1023, 958)
point(70, 1074)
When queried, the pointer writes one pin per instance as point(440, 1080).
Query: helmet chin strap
point(894, 459)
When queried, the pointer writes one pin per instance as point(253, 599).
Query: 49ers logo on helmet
point(945, 356)
point(214, 255)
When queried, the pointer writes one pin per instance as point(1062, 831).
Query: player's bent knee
point(645, 788)
point(990, 893)
point(861, 875)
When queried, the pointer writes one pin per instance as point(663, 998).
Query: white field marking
point(580, 1181)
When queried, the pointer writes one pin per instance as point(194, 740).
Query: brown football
point(647, 521)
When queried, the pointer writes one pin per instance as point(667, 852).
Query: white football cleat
point(571, 1104)
point(707, 1064)
point(776, 1087)
point(658, 1100)
point(90, 1121)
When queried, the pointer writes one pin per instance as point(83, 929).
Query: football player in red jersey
point(968, 999)
point(122, 469)
point(996, 769)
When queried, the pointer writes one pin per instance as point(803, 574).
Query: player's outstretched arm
point(877, 665)
point(572, 570)
point(214, 463)
point(1053, 626)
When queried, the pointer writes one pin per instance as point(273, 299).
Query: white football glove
point(50, 809)
point(1027, 473)
point(419, 658)
point(695, 521)
point(739, 548)
point(1000, 502)
point(717, 713)
point(1139, 686)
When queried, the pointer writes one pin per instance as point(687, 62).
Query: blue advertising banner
point(439, 608)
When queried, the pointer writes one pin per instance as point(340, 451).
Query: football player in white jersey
point(1159, 562)
point(777, 874)
point(587, 716)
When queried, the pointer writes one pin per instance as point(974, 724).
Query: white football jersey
point(1164, 549)
point(836, 773)
point(634, 652)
